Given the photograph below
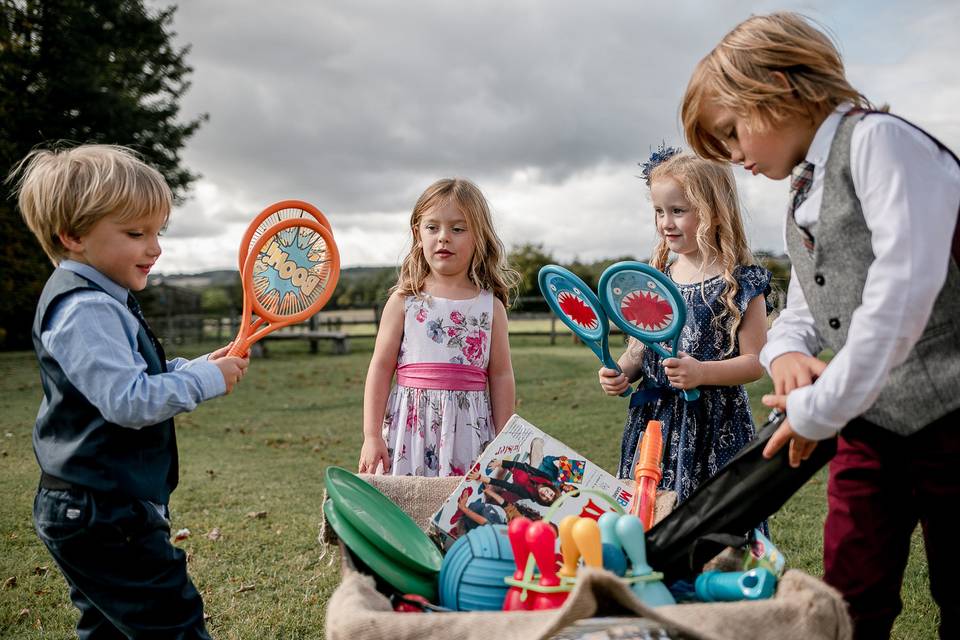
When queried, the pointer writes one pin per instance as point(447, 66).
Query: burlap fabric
point(803, 608)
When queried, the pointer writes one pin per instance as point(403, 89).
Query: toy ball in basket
point(471, 578)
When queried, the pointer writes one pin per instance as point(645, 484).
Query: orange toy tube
point(647, 473)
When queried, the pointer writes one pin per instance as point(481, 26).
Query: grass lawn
point(252, 466)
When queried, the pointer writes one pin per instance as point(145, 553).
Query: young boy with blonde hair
point(873, 240)
point(104, 436)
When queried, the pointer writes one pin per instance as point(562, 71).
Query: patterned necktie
point(800, 180)
point(137, 312)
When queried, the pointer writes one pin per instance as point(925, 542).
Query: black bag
point(725, 509)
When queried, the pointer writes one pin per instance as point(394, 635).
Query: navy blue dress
point(698, 437)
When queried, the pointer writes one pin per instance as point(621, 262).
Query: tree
point(82, 71)
point(528, 259)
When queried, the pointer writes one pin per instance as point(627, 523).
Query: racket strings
point(274, 218)
point(292, 271)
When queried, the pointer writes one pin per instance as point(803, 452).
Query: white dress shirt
point(909, 191)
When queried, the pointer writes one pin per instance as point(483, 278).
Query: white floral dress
point(441, 431)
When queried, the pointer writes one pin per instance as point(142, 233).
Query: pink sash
point(442, 375)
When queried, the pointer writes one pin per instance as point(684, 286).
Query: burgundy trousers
point(882, 485)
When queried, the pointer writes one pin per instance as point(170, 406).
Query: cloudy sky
point(548, 105)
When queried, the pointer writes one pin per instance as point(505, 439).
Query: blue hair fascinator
point(662, 154)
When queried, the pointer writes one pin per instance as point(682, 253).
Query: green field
point(263, 450)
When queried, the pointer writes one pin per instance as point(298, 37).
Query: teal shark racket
point(579, 308)
point(646, 305)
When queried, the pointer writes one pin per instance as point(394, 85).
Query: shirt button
point(819, 279)
point(834, 323)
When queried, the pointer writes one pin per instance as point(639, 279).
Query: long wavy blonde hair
point(711, 190)
point(766, 69)
point(488, 269)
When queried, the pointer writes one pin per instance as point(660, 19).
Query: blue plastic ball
point(471, 578)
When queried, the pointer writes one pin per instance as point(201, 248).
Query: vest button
point(819, 279)
point(834, 323)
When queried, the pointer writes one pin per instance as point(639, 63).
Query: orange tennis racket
point(278, 212)
point(289, 274)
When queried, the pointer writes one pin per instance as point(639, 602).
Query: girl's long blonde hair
point(767, 69)
point(488, 269)
point(711, 190)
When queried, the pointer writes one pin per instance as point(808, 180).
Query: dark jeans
point(125, 577)
point(881, 486)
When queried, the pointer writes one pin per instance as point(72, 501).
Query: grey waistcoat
point(927, 385)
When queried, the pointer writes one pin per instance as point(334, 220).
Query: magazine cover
point(526, 472)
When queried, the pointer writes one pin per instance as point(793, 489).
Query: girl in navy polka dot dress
point(698, 220)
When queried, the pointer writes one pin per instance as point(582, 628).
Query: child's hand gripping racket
point(289, 274)
point(578, 307)
point(646, 305)
point(277, 212)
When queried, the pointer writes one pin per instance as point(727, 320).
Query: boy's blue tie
point(800, 180)
point(137, 312)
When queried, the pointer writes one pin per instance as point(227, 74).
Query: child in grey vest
point(872, 236)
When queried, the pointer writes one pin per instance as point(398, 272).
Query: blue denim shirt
point(93, 337)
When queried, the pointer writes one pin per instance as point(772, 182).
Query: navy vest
point(74, 442)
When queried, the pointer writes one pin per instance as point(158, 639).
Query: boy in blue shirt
point(104, 436)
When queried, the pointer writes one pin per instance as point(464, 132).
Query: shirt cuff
point(209, 376)
point(802, 419)
point(773, 350)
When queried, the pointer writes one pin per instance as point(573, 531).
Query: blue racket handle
point(609, 363)
point(688, 394)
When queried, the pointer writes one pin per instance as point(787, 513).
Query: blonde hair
point(711, 190)
point(767, 69)
point(488, 269)
point(70, 190)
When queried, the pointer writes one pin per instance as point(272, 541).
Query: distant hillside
point(230, 277)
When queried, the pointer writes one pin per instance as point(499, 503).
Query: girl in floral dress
point(444, 332)
point(698, 220)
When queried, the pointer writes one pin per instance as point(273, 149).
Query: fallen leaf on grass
point(40, 571)
point(246, 587)
point(257, 514)
point(182, 534)
point(10, 583)
point(23, 614)
point(214, 534)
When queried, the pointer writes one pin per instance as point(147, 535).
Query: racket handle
point(610, 363)
point(237, 349)
point(691, 394)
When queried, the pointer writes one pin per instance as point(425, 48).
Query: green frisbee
point(398, 576)
point(381, 522)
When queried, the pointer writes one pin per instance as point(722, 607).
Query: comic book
point(525, 472)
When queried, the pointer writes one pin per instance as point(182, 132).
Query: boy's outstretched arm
point(96, 346)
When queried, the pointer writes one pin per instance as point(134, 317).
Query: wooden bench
point(340, 340)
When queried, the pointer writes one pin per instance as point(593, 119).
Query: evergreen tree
point(81, 71)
